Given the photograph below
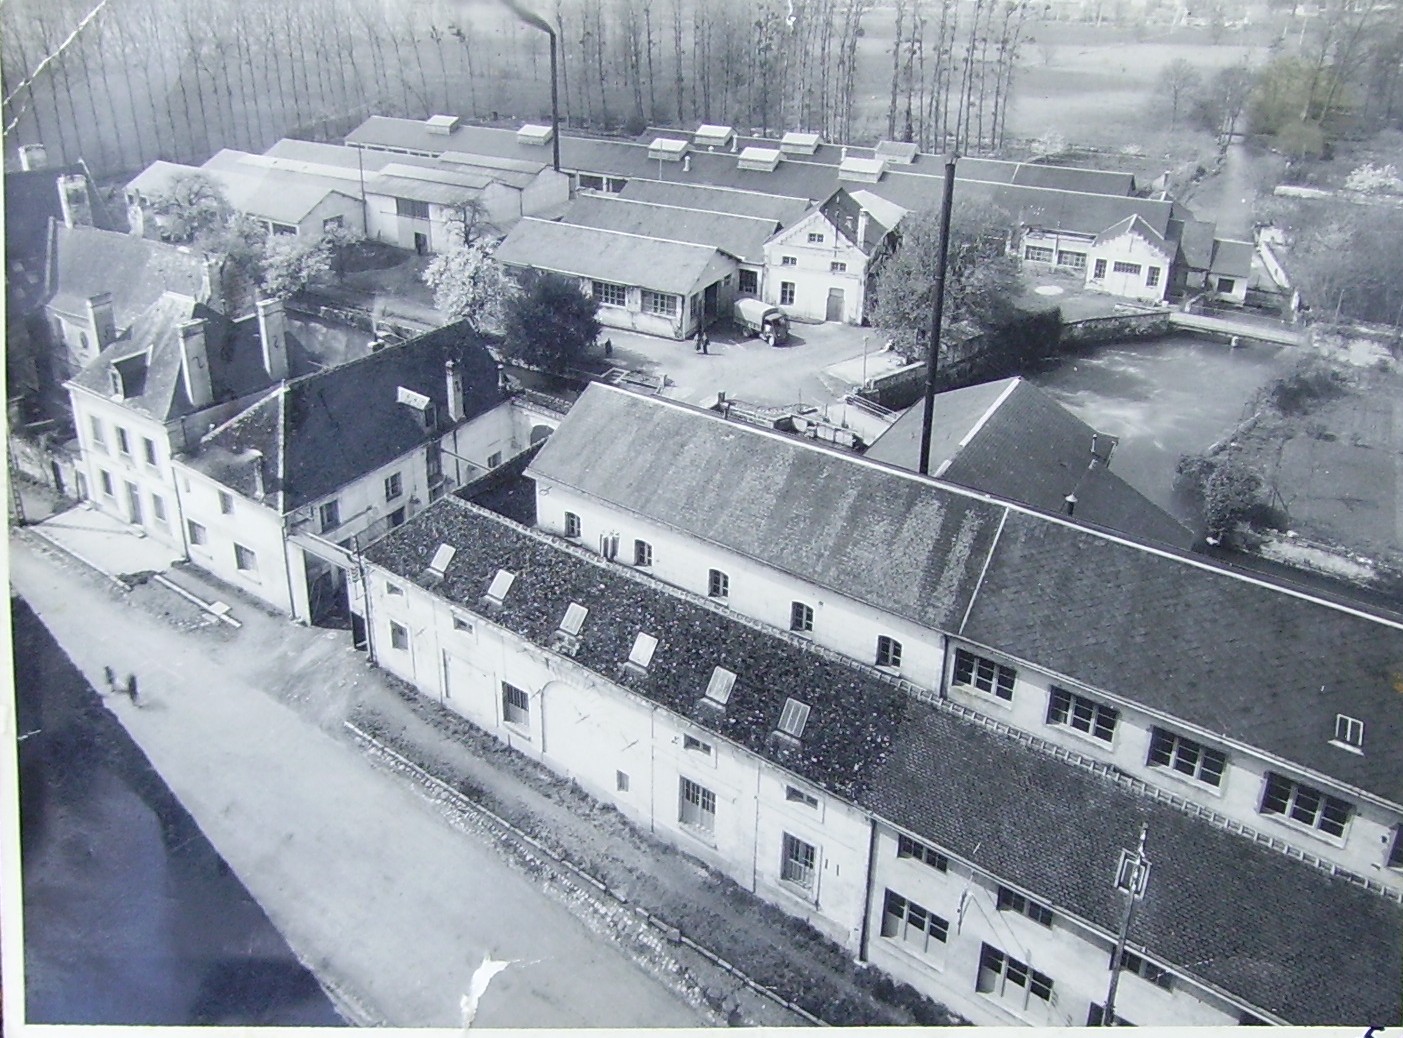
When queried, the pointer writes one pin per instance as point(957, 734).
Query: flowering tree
point(290, 265)
point(469, 285)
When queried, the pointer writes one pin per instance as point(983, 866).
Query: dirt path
point(385, 902)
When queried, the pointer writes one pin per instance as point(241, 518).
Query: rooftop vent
point(566, 638)
point(438, 565)
point(718, 689)
point(763, 159)
point(897, 152)
point(793, 719)
point(709, 135)
point(866, 171)
point(642, 652)
point(534, 133)
point(441, 124)
point(667, 149)
point(497, 590)
point(795, 143)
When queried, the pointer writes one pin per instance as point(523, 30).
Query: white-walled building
point(927, 839)
point(275, 498)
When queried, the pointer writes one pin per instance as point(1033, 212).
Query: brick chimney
point(73, 200)
point(454, 382)
point(272, 333)
point(194, 364)
point(102, 321)
point(33, 156)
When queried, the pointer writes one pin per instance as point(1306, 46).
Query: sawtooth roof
point(900, 545)
point(1276, 933)
point(321, 431)
point(1010, 439)
point(626, 259)
point(743, 237)
point(1225, 653)
point(86, 261)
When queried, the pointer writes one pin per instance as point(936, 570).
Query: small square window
point(789, 261)
point(695, 745)
point(330, 515)
point(198, 534)
point(516, 705)
point(462, 624)
point(888, 652)
point(399, 637)
point(394, 486)
point(642, 553)
point(801, 618)
point(795, 795)
point(394, 590)
point(837, 267)
point(718, 584)
point(226, 503)
point(494, 459)
point(245, 560)
point(816, 237)
point(572, 525)
point(621, 781)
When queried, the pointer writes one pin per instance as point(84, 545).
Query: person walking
point(131, 689)
point(704, 340)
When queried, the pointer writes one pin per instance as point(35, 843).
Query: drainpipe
point(867, 900)
point(653, 770)
point(755, 837)
point(365, 598)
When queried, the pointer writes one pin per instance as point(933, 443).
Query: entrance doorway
point(709, 303)
point(421, 242)
point(835, 304)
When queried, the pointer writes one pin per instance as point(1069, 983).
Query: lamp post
point(1132, 874)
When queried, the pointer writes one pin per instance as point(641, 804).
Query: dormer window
point(793, 718)
point(501, 584)
point(114, 379)
point(1349, 732)
point(642, 652)
point(718, 689)
point(421, 405)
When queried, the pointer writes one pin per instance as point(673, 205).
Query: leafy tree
point(1345, 259)
point(290, 265)
point(469, 285)
point(1177, 82)
point(192, 206)
point(980, 278)
point(551, 323)
point(1227, 489)
point(1297, 104)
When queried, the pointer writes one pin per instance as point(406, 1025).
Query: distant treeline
point(175, 79)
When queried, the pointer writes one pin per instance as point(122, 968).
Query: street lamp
point(534, 20)
point(1132, 876)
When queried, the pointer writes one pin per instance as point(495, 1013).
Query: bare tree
point(1177, 82)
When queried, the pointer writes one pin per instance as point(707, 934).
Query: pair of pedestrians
point(128, 688)
point(703, 341)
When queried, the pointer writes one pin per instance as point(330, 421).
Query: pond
point(1163, 398)
point(130, 915)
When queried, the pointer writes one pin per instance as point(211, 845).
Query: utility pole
point(16, 502)
point(937, 306)
point(1132, 875)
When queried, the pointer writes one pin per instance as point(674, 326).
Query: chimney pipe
point(686, 163)
point(272, 335)
point(501, 378)
point(194, 364)
point(1094, 455)
point(259, 490)
point(102, 321)
point(455, 391)
point(73, 200)
point(33, 156)
point(1071, 502)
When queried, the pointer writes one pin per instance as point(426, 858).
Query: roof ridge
point(241, 415)
point(613, 199)
point(626, 234)
point(1012, 506)
point(983, 419)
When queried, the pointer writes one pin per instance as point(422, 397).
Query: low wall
point(1095, 330)
point(46, 463)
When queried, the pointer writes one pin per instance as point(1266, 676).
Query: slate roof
point(903, 545)
point(1081, 213)
point(1232, 258)
point(31, 201)
point(843, 211)
point(234, 355)
point(782, 209)
point(1238, 658)
point(85, 261)
point(327, 429)
point(743, 237)
point(1196, 243)
point(625, 259)
point(1010, 439)
point(1274, 932)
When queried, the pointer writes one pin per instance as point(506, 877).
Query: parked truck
point(756, 317)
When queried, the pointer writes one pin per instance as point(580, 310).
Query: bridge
point(1240, 328)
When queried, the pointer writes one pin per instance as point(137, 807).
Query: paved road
point(365, 880)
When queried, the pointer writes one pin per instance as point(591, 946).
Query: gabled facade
point(930, 840)
point(1131, 260)
point(276, 498)
point(817, 268)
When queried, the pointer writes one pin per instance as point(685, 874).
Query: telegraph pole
point(1132, 874)
point(938, 305)
point(16, 502)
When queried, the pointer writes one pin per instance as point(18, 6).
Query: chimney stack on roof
point(102, 321)
point(862, 228)
point(73, 200)
point(1071, 502)
point(212, 285)
point(686, 163)
point(454, 382)
point(33, 156)
point(272, 334)
point(194, 364)
point(259, 489)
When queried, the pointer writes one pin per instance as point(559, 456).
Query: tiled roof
point(329, 428)
point(1010, 439)
point(232, 349)
point(1286, 938)
point(85, 262)
point(1233, 258)
point(1237, 658)
point(743, 237)
point(1274, 932)
point(1081, 213)
point(781, 209)
point(853, 713)
point(1196, 243)
point(900, 544)
point(843, 211)
point(625, 259)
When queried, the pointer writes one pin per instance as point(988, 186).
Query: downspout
point(365, 597)
point(180, 511)
point(755, 837)
point(287, 569)
point(652, 770)
point(864, 936)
